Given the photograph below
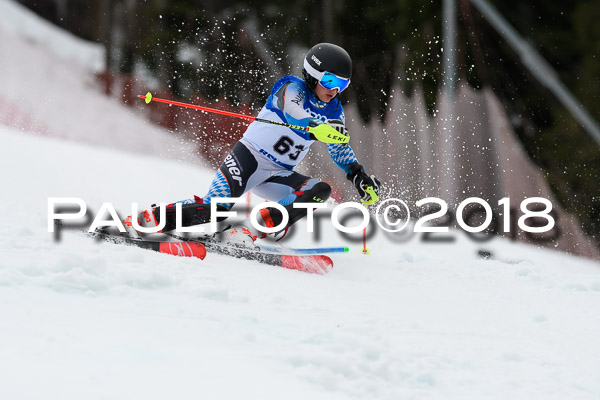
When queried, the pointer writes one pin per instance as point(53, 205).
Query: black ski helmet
point(326, 57)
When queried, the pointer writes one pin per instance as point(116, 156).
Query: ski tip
point(148, 97)
point(346, 249)
point(315, 264)
point(183, 249)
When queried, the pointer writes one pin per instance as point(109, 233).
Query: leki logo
point(315, 59)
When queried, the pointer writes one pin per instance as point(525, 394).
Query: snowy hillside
point(21, 23)
point(49, 87)
point(93, 321)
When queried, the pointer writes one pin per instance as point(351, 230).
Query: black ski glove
point(363, 182)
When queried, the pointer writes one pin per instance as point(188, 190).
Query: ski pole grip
point(328, 134)
point(371, 192)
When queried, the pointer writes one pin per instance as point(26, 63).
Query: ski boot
point(193, 212)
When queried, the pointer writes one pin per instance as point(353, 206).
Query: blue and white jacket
point(293, 103)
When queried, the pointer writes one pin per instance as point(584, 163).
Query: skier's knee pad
point(319, 193)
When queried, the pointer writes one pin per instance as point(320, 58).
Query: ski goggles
point(327, 79)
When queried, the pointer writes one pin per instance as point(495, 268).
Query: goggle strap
point(318, 75)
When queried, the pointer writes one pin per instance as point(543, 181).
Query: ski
point(306, 260)
point(311, 263)
point(181, 249)
point(168, 244)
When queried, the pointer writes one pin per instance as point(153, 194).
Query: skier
point(264, 159)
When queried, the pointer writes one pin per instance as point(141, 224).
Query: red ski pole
point(323, 132)
point(374, 199)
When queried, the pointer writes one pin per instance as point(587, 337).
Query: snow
point(412, 320)
point(15, 19)
point(45, 89)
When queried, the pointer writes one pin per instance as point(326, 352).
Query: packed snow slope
point(412, 320)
